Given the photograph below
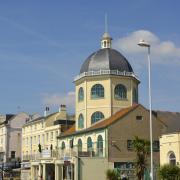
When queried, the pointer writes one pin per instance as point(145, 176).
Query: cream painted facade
point(109, 104)
point(170, 149)
point(42, 132)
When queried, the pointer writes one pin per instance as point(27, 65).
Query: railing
point(106, 72)
point(63, 153)
point(43, 155)
point(75, 152)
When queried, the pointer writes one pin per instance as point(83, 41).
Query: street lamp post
point(142, 43)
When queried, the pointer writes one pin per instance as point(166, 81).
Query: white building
point(10, 136)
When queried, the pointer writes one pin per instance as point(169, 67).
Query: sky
point(44, 43)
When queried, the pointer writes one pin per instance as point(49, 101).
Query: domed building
point(106, 83)
point(108, 117)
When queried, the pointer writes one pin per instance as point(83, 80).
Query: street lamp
point(142, 43)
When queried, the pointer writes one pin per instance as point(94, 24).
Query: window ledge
point(121, 99)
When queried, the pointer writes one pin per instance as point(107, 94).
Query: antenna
point(106, 24)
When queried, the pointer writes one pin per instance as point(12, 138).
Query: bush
point(169, 172)
point(112, 174)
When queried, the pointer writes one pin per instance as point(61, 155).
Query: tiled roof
point(101, 124)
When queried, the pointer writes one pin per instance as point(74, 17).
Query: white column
point(76, 169)
point(32, 172)
point(56, 171)
point(44, 171)
point(40, 170)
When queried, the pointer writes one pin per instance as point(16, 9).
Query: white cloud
point(161, 51)
point(58, 99)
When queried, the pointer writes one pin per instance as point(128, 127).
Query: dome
point(106, 59)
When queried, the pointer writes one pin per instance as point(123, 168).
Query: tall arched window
point(100, 146)
point(81, 121)
point(172, 159)
point(120, 92)
point(80, 94)
point(135, 95)
point(63, 145)
point(79, 145)
point(97, 91)
point(96, 116)
point(89, 144)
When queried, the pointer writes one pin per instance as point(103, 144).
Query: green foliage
point(169, 172)
point(142, 149)
point(112, 174)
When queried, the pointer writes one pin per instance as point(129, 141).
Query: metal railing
point(62, 153)
point(81, 152)
point(106, 72)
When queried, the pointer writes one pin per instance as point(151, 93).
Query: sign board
point(46, 153)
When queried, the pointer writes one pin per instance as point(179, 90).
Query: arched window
point(89, 144)
point(135, 95)
point(100, 146)
point(96, 116)
point(104, 43)
point(79, 145)
point(120, 92)
point(172, 159)
point(81, 121)
point(81, 94)
point(97, 91)
point(63, 145)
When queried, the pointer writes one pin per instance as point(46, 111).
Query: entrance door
point(68, 172)
point(50, 171)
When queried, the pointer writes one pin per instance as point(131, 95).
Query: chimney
point(62, 111)
point(46, 110)
point(62, 108)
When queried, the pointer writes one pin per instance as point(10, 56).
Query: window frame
point(97, 119)
point(97, 92)
point(80, 94)
point(120, 92)
point(81, 121)
point(100, 146)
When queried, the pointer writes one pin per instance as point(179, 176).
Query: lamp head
point(143, 43)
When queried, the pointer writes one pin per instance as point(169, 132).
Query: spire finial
point(106, 38)
point(106, 23)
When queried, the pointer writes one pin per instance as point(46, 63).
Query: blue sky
point(44, 43)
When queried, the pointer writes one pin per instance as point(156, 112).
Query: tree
point(112, 174)
point(169, 172)
point(142, 149)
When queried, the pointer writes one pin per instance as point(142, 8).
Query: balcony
point(106, 72)
point(65, 153)
point(75, 152)
point(45, 154)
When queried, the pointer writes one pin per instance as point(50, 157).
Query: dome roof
point(106, 59)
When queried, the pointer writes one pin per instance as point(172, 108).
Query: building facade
point(39, 143)
point(108, 117)
point(170, 149)
point(10, 136)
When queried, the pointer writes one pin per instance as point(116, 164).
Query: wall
point(169, 143)
point(126, 129)
point(107, 105)
point(15, 131)
point(88, 168)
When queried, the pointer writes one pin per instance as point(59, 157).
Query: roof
point(106, 59)
point(171, 119)
point(101, 124)
point(29, 121)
